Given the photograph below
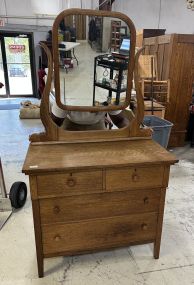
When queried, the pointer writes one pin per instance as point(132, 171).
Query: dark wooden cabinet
point(175, 61)
point(147, 33)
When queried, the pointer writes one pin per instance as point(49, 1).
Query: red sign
point(16, 48)
point(2, 23)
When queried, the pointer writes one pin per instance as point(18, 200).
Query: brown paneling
point(80, 25)
point(160, 59)
point(79, 22)
point(163, 39)
point(165, 68)
point(153, 49)
point(188, 39)
point(68, 20)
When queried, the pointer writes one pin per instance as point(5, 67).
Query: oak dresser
point(97, 196)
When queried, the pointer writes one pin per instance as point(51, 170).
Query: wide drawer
point(96, 234)
point(82, 207)
point(127, 178)
point(70, 183)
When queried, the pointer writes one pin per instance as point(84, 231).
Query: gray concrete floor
point(132, 265)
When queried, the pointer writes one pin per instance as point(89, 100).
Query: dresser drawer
point(131, 178)
point(93, 206)
point(70, 183)
point(97, 234)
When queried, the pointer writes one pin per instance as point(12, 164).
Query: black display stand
point(111, 63)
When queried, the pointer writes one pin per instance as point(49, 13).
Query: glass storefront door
point(17, 65)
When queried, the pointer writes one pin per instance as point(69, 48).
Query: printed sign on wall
point(16, 48)
point(2, 23)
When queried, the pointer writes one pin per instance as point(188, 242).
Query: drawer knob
point(56, 209)
point(57, 238)
point(144, 227)
point(146, 200)
point(71, 182)
point(135, 177)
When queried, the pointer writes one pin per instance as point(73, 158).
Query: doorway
point(17, 66)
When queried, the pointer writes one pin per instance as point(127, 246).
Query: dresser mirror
point(93, 56)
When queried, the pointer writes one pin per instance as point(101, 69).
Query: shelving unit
point(120, 66)
point(118, 32)
point(115, 35)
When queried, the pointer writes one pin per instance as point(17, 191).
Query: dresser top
point(71, 156)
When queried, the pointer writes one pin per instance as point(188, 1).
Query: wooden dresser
point(98, 189)
point(96, 196)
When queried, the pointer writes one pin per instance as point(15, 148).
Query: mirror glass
point(93, 59)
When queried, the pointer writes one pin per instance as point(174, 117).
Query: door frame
point(30, 36)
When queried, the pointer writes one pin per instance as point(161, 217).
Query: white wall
point(177, 18)
point(28, 7)
point(174, 16)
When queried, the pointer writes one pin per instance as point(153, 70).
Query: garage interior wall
point(38, 27)
point(171, 15)
point(168, 14)
point(152, 14)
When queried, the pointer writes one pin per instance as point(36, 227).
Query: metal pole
point(38, 17)
point(152, 95)
point(3, 193)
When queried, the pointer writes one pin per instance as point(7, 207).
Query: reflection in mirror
point(93, 60)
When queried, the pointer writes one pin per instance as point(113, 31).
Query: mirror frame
point(98, 13)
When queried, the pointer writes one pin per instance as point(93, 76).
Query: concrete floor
point(127, 266)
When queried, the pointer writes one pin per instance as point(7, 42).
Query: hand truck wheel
point(18, 194)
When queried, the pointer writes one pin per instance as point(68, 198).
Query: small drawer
point(98, 234)
point(69, 183)
point(129, 178)
point(85, 207)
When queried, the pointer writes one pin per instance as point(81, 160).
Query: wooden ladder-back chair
point(152, 88)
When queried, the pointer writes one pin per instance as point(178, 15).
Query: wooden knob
point(57, 238)
point(135, 177)
point(144, 227)
point(71, 182)
point(56, 209)
point(146, 200)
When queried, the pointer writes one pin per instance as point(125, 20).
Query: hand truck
point(16, 199)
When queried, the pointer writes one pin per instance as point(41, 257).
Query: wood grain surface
point(59, 157)
point(70, 183)
point(91, 206)
point(98, 233)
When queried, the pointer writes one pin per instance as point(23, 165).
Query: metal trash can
point(161, 129)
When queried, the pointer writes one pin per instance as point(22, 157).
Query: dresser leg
point(38, 237)
point(40, 262)
point(156, 249)
point(159, 224)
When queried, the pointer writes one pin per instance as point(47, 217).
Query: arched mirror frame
point(55, 43)
point(56, 134)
